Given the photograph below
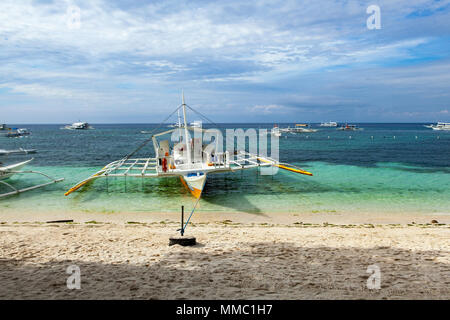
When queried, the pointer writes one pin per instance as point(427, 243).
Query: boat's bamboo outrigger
point(8, 171)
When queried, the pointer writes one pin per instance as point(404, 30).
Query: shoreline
point(281, 218)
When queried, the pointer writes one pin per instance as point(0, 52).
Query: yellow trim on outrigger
point(285, 167)
point(82, 183)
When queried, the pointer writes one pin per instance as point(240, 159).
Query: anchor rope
point(143, 144)
point(203, 116)
point(192, 212)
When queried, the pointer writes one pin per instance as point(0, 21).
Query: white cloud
point(49, 91)
point(269, 109)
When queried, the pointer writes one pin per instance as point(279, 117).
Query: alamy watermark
point(374, 20)
point(73, 17)
point(239, 145)
point(74, 280)
point(374, 280)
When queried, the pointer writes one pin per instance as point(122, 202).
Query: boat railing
point(216, 159)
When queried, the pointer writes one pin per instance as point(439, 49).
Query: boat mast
point(186, 134)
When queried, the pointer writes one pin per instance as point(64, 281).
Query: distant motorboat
point(4, 152)
point(299, 128)
point(78, 126)
point(196, 124)
point(21, 132)
point(177, 124)
point(276, 131)
point(349, 127)
point(440, 126)
point(4, 127)
point(329, 124)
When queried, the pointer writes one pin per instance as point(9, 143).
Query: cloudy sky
point(264, 61)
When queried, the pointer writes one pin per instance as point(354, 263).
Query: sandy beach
point(131, 259)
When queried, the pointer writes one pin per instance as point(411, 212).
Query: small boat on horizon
point(440, 126)
point(196, 124)
point(4, 152)
point(328, 124)
point(349, 127)
point(78, 126)
point(299, 128)
point(275, 131)
point(16, 133)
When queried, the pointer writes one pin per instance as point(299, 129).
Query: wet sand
point(232, 260)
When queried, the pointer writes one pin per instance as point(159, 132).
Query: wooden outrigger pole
point(8, 171)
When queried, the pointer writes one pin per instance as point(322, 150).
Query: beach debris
point(60, 221)
point(182, 240)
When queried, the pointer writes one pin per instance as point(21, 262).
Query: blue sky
point(264, 61)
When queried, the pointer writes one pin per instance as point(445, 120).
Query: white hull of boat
point(195, 184)
point(440, 126)
point(8, 171)
point(329, 124)
point(17, 151)
point(441, 129)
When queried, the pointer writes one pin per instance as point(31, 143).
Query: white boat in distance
point(21, 132)
point(299, 128)
point(4, 152)
point(349, 127)
point(275, 131)
point(440, 126)
point(196, 124)
point(78, 126)
point(329, 124)
point(188, 160)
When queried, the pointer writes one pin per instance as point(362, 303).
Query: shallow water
point(394, 168)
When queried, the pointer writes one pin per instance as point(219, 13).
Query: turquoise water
point(383, 168)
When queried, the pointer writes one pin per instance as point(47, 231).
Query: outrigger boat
point(7, 172)
point(21, 132)
point(329, 124)
point(440, 126)
point(78, 126)
point(299, 128)
point(4, 152)
point(190, 161)
point(349, 127)
point(276, 131)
